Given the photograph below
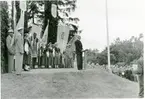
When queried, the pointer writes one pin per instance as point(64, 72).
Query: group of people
point(50, 56)
point(29, 52)
point(15, 49)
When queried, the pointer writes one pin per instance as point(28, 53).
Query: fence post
point(85, 60)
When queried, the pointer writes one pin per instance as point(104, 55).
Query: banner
point(62, 36)
point(36, 29)
point(72, 43)
point(22, 5)
point(54, 10)
point(20, 22)
point(45, 36)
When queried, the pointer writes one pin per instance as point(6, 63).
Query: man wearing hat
point(11, 51)
point(19, 46)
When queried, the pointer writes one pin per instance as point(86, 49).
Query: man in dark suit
point(79, 48)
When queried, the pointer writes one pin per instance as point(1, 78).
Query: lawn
point(66, 83)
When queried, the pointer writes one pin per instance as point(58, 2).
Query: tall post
point(1, 42)
point(14, 22)
point(14, 16)
point(107, 30)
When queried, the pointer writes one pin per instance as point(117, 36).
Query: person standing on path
point(11, 51)
point(79, 49)
point(34, 42)
point(19, 50)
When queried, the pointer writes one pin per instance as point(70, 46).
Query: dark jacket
point(79, 47)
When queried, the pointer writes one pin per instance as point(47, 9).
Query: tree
point(4, 33)
point(124, 51)
point(42, 10)
point(63, 8)
point(18, 11)
point(33, 10)
point(92, 55)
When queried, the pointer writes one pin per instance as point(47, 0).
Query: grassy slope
point(85, 84)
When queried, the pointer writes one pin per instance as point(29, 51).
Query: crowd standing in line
point(31, 53)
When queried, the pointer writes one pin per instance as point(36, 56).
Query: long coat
point(19, 52)
point(79, 49)
point(11, 53)
point(19, 43)
point(11, 49)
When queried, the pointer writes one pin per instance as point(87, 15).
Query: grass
point(68, 83)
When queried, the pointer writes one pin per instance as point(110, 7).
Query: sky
point(126, 18)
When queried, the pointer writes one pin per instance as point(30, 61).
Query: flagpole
point(14, 23)
point(107, 30)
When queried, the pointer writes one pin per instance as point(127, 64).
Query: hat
point(10, 31)
point(20, 28)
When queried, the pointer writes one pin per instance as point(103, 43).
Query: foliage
point(42, 10)
point(34, 10)
point(123, 51)
point(18, 11)
point(92, 55)
point(4, 30)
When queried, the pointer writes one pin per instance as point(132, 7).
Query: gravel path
point(66, 83)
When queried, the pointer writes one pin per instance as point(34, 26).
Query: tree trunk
point(52, 29)
point(18, 11)
point(12, 21)
point(4, 34)
point(33, 18)
point(26, 21)
point(45, 21)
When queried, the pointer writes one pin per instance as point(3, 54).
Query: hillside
point(67, 83)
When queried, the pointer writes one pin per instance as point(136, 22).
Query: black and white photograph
point(72, 49)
